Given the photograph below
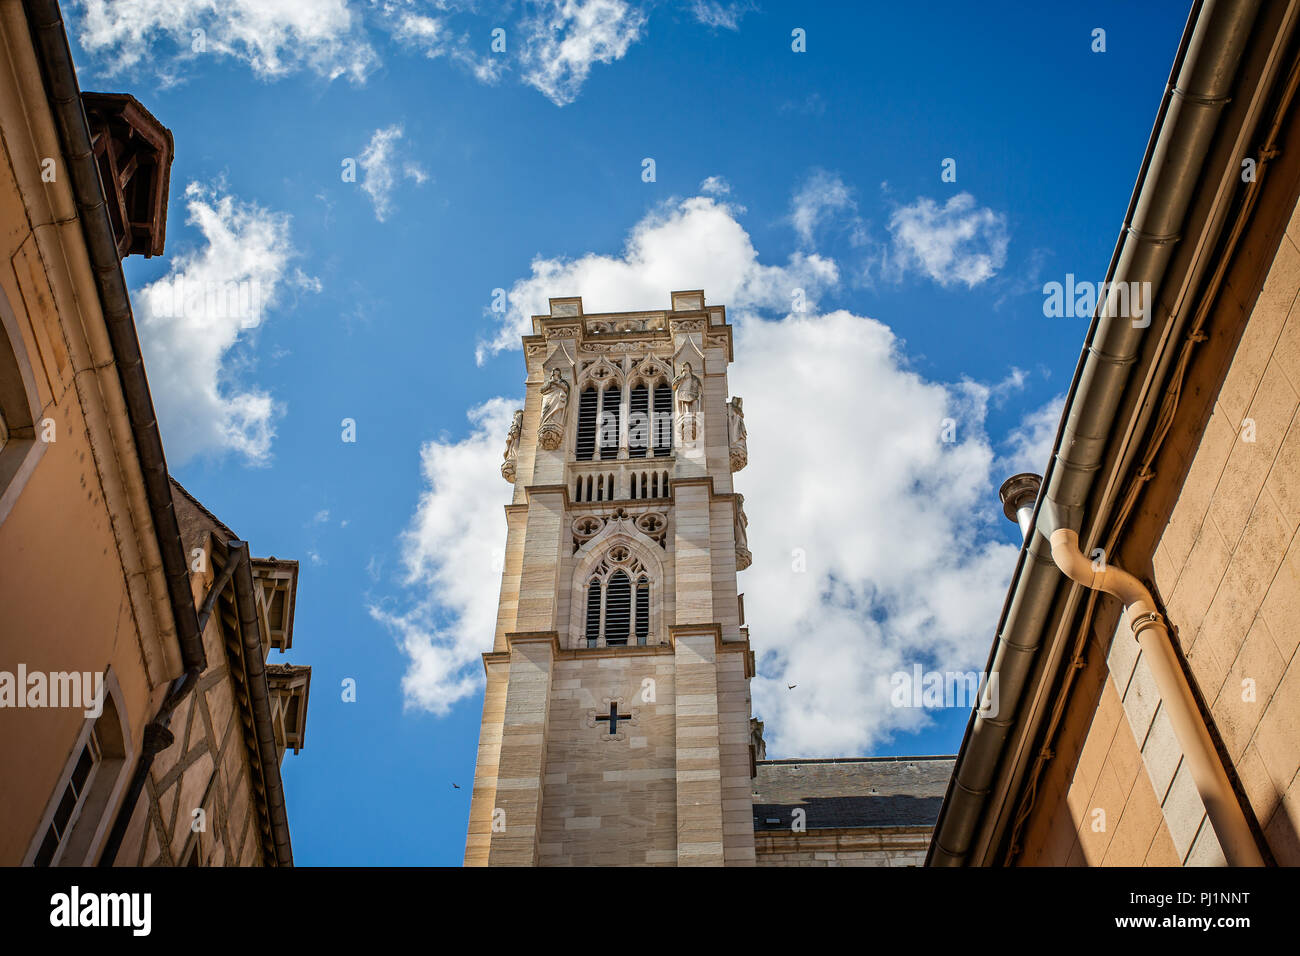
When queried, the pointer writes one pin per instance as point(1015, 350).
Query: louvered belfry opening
point(587, 403)
point(642, 610)
point(638, 421)
point(663, 421)
point(593, 613)
point(608, 430)
point(618, 610)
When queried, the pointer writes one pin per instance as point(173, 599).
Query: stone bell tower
point(616, 717)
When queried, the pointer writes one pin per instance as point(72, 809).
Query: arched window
point(78, 817)
point(617, 612)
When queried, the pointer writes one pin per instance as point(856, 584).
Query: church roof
point(851, 792)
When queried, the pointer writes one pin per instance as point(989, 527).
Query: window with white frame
point(77, 819)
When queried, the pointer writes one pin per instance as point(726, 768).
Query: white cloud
point(897, 527)
point(816, 200)
point(1030, 444)
point(847, 467)
point(956, 243)
point(553, 45)
point(380, 166)
point(213, 298)
point(715, 186)
point(434, 37)
point(274, 37)
point(713, 13)
point(563, 38)
point(452, 555)
point(693, 243)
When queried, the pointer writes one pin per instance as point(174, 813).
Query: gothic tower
point(616, 717)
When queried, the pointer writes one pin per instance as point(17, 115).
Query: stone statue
point(687, 388)
point(743, 557)
point(737, 434)
point(555, 403)
point(512, 446)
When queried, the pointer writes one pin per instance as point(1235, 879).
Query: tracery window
point(628, 419)
point(618, 601)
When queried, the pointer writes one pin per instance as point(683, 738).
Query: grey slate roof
point(851, 792)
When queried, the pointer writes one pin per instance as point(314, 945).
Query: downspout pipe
point(157, 736)
point(1200, 87)
point(1221, 804)
point(259, 696)
point(51, 45)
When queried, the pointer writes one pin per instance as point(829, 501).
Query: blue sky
point(774, 170)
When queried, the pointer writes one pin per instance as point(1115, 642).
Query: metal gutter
point(1202, 77)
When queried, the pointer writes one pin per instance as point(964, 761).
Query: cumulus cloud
point(382, 168)
point(694, 243)
point(1030, 444)
point(562, 39)
point(452, 553)
point(875, 540)
point(818, 199)
point(273, 38)
point(872, 540)
point(215, 297)
point(715, 186)
point(957, 243)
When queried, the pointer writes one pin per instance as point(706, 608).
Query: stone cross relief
point(613, 719)
point(555, 404)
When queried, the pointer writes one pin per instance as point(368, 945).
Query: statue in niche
point(555, 403)
point(512, 446)
point(737, 434)
point(687, 388)
point(743, 557)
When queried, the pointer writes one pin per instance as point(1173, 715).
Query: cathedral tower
point(616, 718)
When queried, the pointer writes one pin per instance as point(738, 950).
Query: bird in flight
point(791, 686)
point(455, 786)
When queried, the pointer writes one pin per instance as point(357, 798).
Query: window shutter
point(638, 422)
point(663, 420)
point(593, 613)
point(642, 610)
point(618, 610)
point(586, 424)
